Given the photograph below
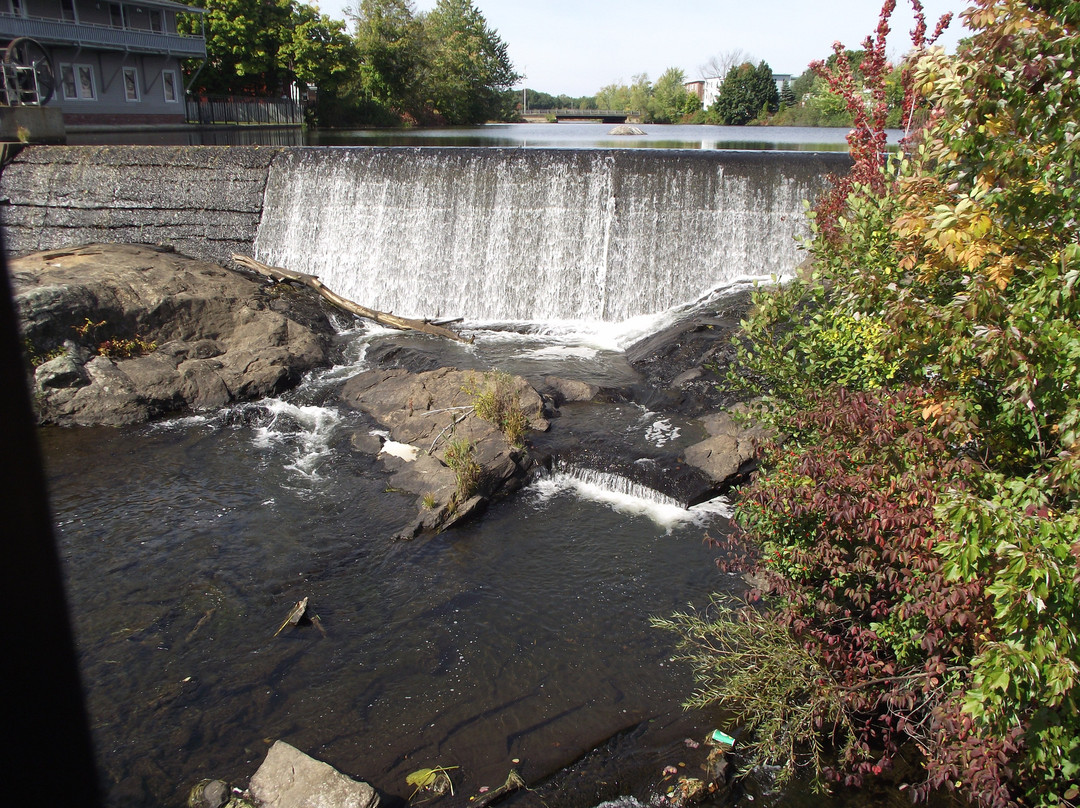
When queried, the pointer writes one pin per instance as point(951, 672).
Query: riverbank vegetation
point(399, 66)
point(917, 532)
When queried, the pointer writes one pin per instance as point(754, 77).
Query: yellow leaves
point(1001, 272)
point(932, 410)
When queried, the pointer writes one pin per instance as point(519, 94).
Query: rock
point(568, 390)
point(220, 336)
point(60, 373)
point(209, 794)
point(729, 454)
point(685, 364)
point(290, 779)
point(429, 411)
point(626, 129)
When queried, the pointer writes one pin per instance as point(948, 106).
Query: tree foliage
point(746, 94)
point(260, 48)
point(919, 531)
point(467, 66)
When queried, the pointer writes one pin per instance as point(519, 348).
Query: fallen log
point(282, 275)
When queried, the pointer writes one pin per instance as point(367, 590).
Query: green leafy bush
point(919, 533)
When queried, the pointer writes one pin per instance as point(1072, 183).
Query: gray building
point(110, 62)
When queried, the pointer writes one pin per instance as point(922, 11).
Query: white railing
point(58, 32)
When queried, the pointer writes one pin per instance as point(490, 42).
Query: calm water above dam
point(512, 135)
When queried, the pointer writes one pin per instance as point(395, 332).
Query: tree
point(467, 67)
point(319, 52)
point(243, 40)
point(260, 48)
point(390, 49)
point(918, 533)
point(746, 93)
point(670, 99)
point(613, 96)
point(787, 95)
point(721, 64)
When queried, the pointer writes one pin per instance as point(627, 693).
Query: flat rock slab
point(219, 336)
point(290, 779)
point(730, 452)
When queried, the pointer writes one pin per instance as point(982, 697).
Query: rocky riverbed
point(119, 334)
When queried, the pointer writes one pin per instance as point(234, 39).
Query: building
point(106, 62)
point(705, 89)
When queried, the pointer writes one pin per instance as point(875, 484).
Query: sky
point(578, 46)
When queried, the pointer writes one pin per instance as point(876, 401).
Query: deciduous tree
point(467, 67)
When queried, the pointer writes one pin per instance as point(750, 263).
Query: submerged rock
point(209, 336)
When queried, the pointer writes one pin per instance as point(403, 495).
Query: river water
point(520, 639)
point(513, 135)
point(523, 635)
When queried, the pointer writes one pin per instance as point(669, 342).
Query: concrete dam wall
point(488, 234)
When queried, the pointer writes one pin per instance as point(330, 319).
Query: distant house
point(705, 89)
point(111, 62)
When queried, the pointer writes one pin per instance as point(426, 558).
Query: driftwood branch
point(382, 318)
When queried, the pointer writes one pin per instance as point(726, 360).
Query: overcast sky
point(578, 46)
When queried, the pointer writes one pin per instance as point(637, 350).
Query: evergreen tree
point(745, 93)
point(787, 95)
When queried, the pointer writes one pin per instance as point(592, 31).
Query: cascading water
point(514, 234)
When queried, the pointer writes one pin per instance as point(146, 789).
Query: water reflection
point(523, 135)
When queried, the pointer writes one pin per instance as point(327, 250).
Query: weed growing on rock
point(498, 403)
point(461, 458)
point(126, 348)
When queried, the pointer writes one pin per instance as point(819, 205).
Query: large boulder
point(729, 454)
point(290, 779)
point(214, 336)
point(426, 415)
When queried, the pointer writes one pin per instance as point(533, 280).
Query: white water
point(623, 495)
point(535, 235)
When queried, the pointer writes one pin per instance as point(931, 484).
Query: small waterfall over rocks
point(534, 234)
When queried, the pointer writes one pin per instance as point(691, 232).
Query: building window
point(131, 83)
point(168, 83)
point(18, 7)
point(116, 15)
point(67, 11)
point(78, 82)
point(156, 22)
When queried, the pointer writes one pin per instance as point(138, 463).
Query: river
point(521, 639)
point(511, 135)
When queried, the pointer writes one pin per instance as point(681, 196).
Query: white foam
point(406, 451)
point(307, 429)
point(625, 496)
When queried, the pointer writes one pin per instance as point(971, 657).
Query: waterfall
point(534, 234)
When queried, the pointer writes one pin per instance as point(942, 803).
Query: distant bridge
point(602, 115)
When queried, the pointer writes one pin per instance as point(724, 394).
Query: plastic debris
point(722, 739)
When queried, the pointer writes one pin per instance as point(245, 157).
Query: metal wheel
point(28, 73)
